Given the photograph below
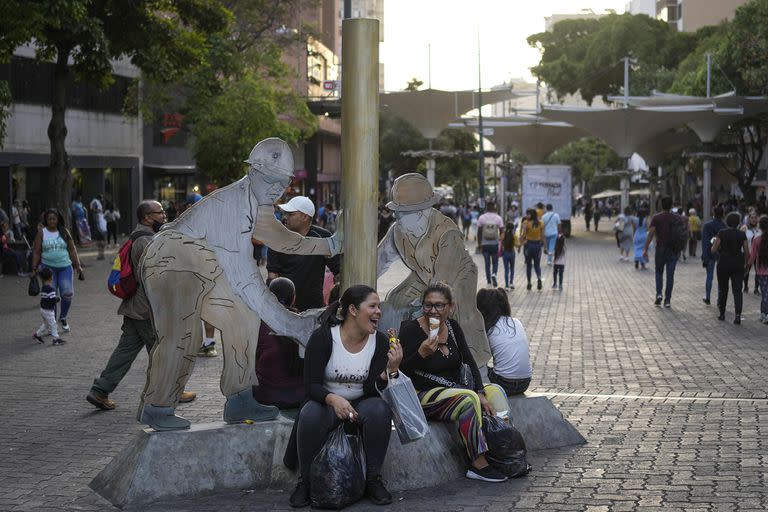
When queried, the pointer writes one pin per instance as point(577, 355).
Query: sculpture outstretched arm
point(450, 258)
point(386, 253)
point(276, 236)
point(246, 282)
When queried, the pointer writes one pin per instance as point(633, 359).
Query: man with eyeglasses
point(138, 332)
point(200, 267)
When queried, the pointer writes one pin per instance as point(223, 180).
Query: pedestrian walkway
point(672, 402)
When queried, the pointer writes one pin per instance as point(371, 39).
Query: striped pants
point(463, 406)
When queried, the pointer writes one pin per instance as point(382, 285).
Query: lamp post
point(480, 123)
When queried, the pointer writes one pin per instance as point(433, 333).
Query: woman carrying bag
point(345, 362)
point(436, 358)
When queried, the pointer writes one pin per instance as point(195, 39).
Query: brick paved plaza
point(673, 403)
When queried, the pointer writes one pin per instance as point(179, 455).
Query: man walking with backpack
point(490, 227)
point(137, 328)
point(670, 231)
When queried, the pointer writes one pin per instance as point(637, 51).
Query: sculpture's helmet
point(411, 192)
point(272, 156)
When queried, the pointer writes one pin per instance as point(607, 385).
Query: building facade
point(691, 15)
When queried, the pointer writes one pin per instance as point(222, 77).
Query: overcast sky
point(451, 27)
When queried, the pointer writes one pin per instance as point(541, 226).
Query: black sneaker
point(376, 492)
point(494, 281)
point(58, 341)
point(300, 495)
point(667, 305)
point(721, 316)
point(706, 301)
point(737, 320)
point(658, 301)
point(528, 287)
point(487, 474)
point(37, 338)
point(538, 285)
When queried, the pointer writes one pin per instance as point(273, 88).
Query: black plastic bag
point(34, 287)
point(337, 475)
point(506, 447)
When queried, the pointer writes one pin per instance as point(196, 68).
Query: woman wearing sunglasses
point(434, 351)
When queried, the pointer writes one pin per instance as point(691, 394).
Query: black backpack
point(678, 235)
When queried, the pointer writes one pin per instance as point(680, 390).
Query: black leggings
point(112, 231)
point(734, 275)
point(317, 420)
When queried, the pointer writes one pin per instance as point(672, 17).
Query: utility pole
point(481, 154)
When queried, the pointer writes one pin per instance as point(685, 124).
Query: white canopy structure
point(607, 193)
point(534, 136)
point(431, 111)
point(627, 129)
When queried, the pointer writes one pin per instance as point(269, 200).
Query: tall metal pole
point(360, 149)
point(626, 82)
point(429, 66)
point(709, 75)
point(430, 165)
point(706, 194)
point(481, 154)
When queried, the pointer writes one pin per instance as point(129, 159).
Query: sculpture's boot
point(162, 418)
point(242, 406)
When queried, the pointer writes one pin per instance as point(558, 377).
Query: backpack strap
point(138, 234)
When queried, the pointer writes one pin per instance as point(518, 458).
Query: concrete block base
point(216, 457)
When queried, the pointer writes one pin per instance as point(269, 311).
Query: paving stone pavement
point(673, 403)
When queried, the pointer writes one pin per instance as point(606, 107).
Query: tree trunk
point(61, 177)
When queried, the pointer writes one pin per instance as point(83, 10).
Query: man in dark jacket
point(709, 259)
point(305, 270)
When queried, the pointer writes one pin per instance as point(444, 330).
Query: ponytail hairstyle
point(60, 226)
point(338, 311)
point(493, 304)
point(762, 250)
point(559, 246)
point(534, 217)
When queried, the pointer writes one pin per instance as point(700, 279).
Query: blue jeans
point(551, 239)
point(508, 257)
point(491, 256)
point(532, 251)
point(62, 283)
point(665, 259)
point(711, 264)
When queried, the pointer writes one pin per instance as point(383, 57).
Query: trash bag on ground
point(407, 413)
point(506, 447)
point(337, 475)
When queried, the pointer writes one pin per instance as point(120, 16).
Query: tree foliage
point(586, 55)
point(588, 158)
point(396, 136)
point(162, 37)
point(243, 91)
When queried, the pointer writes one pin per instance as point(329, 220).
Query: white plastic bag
point(407, 414)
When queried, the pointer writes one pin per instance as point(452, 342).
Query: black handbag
point(466, 378)
point(34, 287)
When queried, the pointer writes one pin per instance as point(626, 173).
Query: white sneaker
point(65, 326)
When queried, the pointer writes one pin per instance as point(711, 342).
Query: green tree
point(414, 84)
point(247, 110)
point(588, 157)
point(396, 136)
point(161, 37)
point(739, 50)
point(243, 91)
point(586, 55)
point(459, 172)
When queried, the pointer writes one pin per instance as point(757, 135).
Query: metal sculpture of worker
point(432, 246)
point(201, 266)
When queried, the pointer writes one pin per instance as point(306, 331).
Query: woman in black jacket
point(731, 243)
point(343, 365)
point(434, 350)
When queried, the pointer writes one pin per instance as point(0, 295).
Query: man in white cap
point(201, 267)
point(430, 244)
point(306, 271)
